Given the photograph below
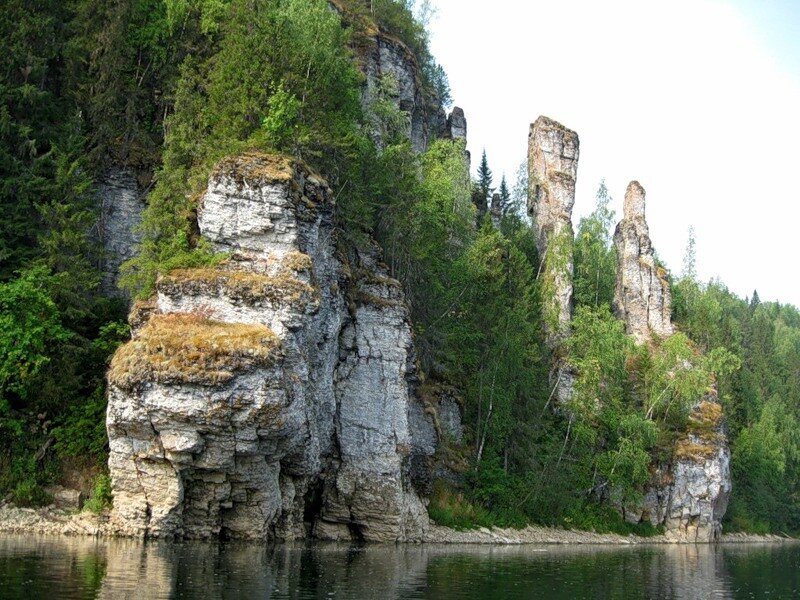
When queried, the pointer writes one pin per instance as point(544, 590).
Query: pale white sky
point(699, 100)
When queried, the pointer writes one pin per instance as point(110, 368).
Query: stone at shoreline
point(65, 498)
point(46, 521)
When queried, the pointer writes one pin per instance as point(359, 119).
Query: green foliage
point(595, 258)
point(555, 274)
point(605, 519)
point(30, 326)
point(453, 509)
point(760, 399)
point(484, 187)
point(674, 380)
point(101, 497)
point(169, 87)
point(289, 87)
point(616, 435)
point(388, 123)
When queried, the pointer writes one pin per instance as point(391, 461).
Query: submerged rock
point(269, 396)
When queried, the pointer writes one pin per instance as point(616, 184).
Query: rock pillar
point(456, 124)
point(552, 168)
point(642, 297)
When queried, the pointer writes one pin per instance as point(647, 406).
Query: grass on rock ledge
point(185, 348)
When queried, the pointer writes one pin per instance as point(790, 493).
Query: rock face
point(457, 124)
point(121, 206)
point(270, 396)
point(642, 296)
point(689, 497)
point(426, 117)
point(552, 169)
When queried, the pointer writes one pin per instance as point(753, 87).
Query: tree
point(291, 88)
point(690, 257)
point(595, 258)
point(755, 300)
point(483, 187)
point(505, 196)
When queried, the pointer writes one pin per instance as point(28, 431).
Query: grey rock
point(689, 495)
point(642, 296)
point(553, 152)
point(456, 124)
point(317, 439)
point(449, 412)
point(121, 206)
point(426, 117)
point(65, 498)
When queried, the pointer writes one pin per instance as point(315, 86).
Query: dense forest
point(169, 87)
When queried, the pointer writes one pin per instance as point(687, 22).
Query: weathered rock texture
point(552, 169)
point(271, 396)
point(457, 124)
point(388, 56)
point(121, 206)
point(642, 296)
point(690, 495)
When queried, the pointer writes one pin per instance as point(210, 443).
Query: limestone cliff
point(642, 296)
point(268, 397)
point(689, 494)
point(388, 56)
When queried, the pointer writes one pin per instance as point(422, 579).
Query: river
point(34, 567)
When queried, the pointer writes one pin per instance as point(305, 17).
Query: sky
point(698, 100)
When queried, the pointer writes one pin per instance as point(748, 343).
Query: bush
point(101, 497)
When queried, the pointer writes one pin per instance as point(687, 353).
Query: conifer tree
point(755, 301)
point(483, 188)
point(505, 196)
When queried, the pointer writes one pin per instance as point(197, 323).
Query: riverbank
point(547, 535)
point(52, 521)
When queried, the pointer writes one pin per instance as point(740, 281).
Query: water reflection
point(34, 567)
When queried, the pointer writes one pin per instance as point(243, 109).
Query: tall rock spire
point(552, 169)
point(642, 296)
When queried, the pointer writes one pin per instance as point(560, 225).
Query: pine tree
point(505, 196)
point(483, 188)
point(755, 301)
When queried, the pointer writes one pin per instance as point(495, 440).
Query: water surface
point(75, 568)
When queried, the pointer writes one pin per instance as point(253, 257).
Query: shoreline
point(52, 521)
